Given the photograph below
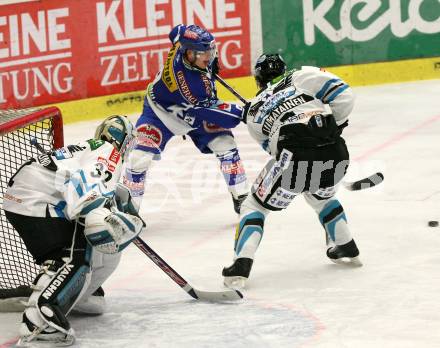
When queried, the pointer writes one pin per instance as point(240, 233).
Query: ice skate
point(46, 339)
point(35, 333)
point(236, 275)
point(238, 201)
point(346, 254)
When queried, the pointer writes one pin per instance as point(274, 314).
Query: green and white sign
point(346, 32)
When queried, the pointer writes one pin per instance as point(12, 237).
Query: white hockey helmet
point(117, 130)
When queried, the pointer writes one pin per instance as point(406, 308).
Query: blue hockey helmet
point(197, 39)
point(267, 67)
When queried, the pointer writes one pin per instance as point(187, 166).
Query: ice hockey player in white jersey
point(297, 117)
point(62, 205)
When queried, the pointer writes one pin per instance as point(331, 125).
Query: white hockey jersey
point(301, 93)
point(67, 182)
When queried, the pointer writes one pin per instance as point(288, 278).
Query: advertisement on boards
point(60, 50)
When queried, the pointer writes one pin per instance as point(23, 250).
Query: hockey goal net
point(17, 129)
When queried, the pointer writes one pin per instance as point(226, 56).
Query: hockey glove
point(124, 201)
point(245, 112)
point(215, 66)
point(110, 232)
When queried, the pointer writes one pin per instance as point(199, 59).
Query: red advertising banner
point(59, 50)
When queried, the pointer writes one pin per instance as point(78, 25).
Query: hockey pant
point(274, 189)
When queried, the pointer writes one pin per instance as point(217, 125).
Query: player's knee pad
point(250, 204)
point(135, 174)
point(110, 232)
point(140, 161)
point(222, 143)
point(248, 234)
point(318, 199)
point(57, 288)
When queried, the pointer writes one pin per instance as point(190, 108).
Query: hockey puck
point(433, 223)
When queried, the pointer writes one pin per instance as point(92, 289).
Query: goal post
point(17, 129)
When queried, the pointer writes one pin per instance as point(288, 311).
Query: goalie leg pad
point(57, 288)
point(93, 301)
point(91, 305)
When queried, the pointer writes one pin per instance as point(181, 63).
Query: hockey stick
point(230, 89)
point(226, 295)
point(214, 296)
point(370, 181)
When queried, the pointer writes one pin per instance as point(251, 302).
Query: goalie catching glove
point(110, 232)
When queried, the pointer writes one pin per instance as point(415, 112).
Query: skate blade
point(348, 261)
point(36, 343)
point(236, 283)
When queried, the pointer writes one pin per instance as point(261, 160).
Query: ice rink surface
point(296, 297)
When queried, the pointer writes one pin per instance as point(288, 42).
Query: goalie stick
point(214, 296)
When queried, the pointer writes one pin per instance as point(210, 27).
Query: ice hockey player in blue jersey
point(182, 100)
point(297, 117)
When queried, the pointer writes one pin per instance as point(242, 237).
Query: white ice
point(296, 297)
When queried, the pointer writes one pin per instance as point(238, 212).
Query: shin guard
point(334, 221)
point(248, 235)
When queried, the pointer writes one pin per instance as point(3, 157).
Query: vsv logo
point(366, 11)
